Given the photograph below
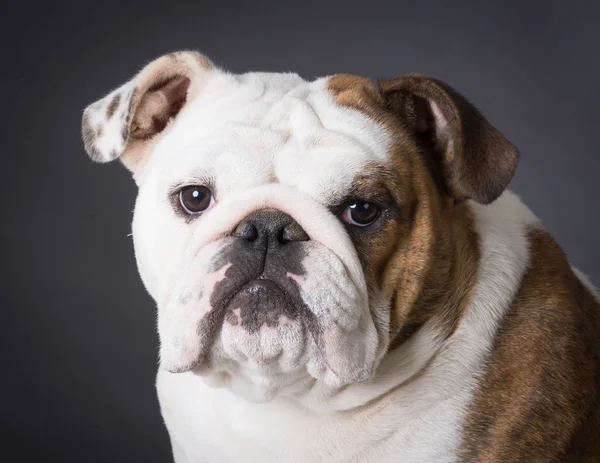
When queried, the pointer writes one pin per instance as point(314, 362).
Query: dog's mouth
point(259, 290)
point(256, 313)
point(270, 319)
point(262, 303)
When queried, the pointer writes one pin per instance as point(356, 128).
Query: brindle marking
point(424, 257)
point(538, 398)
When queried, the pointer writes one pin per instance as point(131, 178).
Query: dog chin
point(257, 384)
point(265, 345)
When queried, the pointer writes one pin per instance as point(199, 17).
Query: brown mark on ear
point(158, 105)
point(476, 161)
point(127, 115)
point(112, 107)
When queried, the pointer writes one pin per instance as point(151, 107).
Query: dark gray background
point(78, 338)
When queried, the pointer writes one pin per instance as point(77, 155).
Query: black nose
point(270, 228)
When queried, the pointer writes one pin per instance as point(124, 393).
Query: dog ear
point(477, 162)
point(125, 122)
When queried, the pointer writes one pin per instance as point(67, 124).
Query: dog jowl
point(338, 271)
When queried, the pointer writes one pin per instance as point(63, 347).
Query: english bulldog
point(341, 276)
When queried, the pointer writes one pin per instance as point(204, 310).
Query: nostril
point(282, 236)
point(252, 234)
point(246, 231)
point(292, 232)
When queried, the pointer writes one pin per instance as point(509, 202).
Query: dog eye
point(195, 199)
point(361, 213)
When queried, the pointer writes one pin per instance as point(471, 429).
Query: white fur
point(263, 141)
point(419, 418)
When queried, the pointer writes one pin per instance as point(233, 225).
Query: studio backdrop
point(79, 336)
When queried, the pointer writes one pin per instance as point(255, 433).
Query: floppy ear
point(477, 162)
point(126, 122)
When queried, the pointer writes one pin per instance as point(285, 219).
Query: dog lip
point(262, 286)
point(261, 283)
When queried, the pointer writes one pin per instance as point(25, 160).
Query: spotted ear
point(124, 123)
point(475, 159)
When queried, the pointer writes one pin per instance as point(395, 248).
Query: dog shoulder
point(537, 398)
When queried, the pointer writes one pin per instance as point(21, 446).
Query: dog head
point(293, 231)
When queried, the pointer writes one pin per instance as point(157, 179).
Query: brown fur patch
point(113, 105)
point(158, 106)
point(478, 162)
point(424, 257)
point(133, 101)
point(538, 399)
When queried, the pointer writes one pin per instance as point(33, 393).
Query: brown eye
point(195, 199)
point(361, 213)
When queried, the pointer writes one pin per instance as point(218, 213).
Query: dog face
point(288, 230)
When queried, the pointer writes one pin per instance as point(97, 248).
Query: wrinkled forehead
point(247, 130)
